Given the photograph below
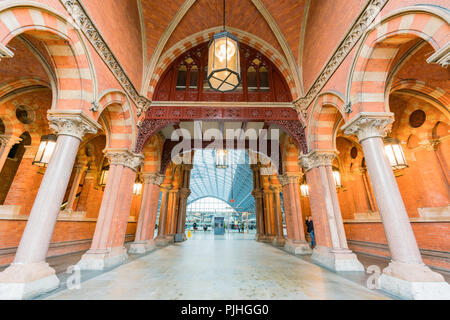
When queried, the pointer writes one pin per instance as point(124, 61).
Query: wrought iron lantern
point(45, 150)
point(337, 178)
point(137, 187)
point(304, 190)
point(394, 153)
point(224, 70)
point(104, 176)
point(221, 159)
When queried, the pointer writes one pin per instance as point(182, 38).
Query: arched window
point(257, 76)
point(188, 75)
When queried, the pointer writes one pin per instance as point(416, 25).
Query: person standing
point(310, 230)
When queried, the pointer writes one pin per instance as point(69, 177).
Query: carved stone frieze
point(369, 124)
point(317, 159)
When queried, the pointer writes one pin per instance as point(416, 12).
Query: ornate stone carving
point(8, 141)
point(84, 22)
point(369, 124)
point(441, 56)
point(371, 10)
point(289, 178)
point(296, 130)
point(148, 128)
point(72, 123)
point(153, 178)
point(124, 158)
point(317, 159)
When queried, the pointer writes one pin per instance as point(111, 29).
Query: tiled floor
point(227, 267)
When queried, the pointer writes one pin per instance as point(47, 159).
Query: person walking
point(310, 230)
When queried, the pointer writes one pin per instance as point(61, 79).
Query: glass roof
point(234, 182)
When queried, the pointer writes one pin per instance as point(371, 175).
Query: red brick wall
point(11, 232)
point(430, 236)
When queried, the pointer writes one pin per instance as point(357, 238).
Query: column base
point(142, 246)
point(26, 281)
point(259, 237)
point(414, 281)
point(162, 241)
point(279, 241)
point(336, 259)
point(101, 259)
point(180, 237)
point(297, 247)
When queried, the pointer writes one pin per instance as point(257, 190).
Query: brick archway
point(75, 81)
point(115, 109)
point(325, 114)
point(252, 41)
point(372, 64)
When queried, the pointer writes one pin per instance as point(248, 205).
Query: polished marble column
point(257, 194)
point(162, 239)
point(6, 143)
point(107, 247)
point(143, 241)
point(406, 275)
point(331, 252)
point(79, 170)
point(29, 275)
point(279, 239)
point(295, 242)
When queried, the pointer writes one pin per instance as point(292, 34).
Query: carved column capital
point(153, 178)
point(369, 124)
point(430, 145)
point(257, 194)
point(317, 158)
point(289, 178)
point(185, 192)
point(276, 188)
point(71, 123)
point(8, 141)
point(125, 158)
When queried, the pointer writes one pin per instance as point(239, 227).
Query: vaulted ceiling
point(303, 33)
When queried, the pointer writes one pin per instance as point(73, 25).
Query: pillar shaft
point(29, 275)
point(38, 232)
point(399, 234)
point(6, 143)
point(79, 170)
point(107, 246)
point(406, 275)
point(331, 250)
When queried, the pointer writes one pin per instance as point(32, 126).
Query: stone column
point(406, 275)
point(332, 253)
point(107, 248)
point(296, 242)
point(29, 275)
point(79, 170)
point(184, 194)
point(6, 143)
point(88, 184)
point(162, 239)
point(143, 241)
point(267, 199)
point(257, 194)
point(279, 239)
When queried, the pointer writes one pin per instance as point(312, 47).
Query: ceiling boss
point(224, 70)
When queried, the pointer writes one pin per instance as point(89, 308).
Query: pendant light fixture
point(224, 70)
